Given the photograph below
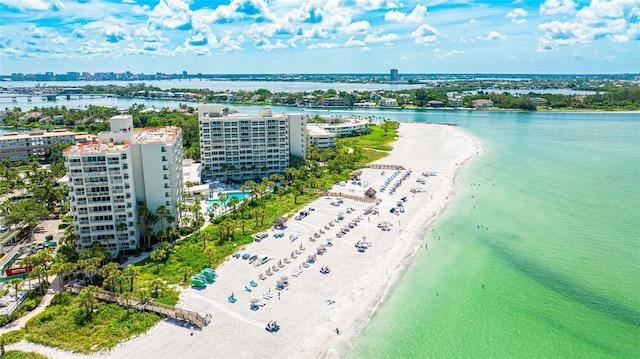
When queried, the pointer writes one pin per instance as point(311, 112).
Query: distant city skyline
point(320, 36)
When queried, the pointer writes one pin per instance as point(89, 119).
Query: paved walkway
point(19, 323)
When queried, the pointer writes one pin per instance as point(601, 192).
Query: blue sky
point(320, 36)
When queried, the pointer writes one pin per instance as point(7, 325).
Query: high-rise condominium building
point(241, 147)
point(125, 166)
point(393, 75)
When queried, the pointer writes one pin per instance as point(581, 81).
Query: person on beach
point(337, 331)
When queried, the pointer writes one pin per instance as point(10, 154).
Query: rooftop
point(95, 147)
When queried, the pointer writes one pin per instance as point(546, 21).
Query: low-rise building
point(482, 103)
point(334, 102)
point(20, 146)
point(345, 126)
point(319, 137)
point(388, 102)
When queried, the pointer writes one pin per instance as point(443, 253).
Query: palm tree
point(121, 228)
point(131, 273)
point(157, 285)
point(15, 284)
point(233, 202)
point(206, 236)
point(39, 272)
point(87, 300)
point(110, 273)
point(162, 212)
point(158, 256)
point(243, 223)
point(223, 199)
point(210, 252)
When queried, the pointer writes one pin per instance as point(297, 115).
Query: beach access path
point(314, 305)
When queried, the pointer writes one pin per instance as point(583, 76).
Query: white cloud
point(450, 54)
point(493, 35)
point(366, 48)
point(357, 27)
point(323, 45)
point(614, 20)
point(170, 14)
point(351, 42)
point(36, 32)
point(37, 5)
point(377, 36)
point(114, 33)
point(416, 16)
point(518, 15)
point(268, 46)
point(405, 58)
point(376, 4)
point(425, 35)
point(552, 7)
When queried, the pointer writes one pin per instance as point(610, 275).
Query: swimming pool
point(239, 195)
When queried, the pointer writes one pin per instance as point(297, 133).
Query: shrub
point(12, 337)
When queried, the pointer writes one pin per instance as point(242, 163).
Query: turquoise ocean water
point(554, 238)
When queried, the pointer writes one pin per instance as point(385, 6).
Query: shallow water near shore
point(539, 253)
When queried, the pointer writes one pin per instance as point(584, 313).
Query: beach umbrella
point(279, 281)
point(284, 277)
point(319, 248)
point(254, 300)
point(323, 245)
point(310, 256)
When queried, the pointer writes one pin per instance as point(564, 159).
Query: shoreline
point(358, 283)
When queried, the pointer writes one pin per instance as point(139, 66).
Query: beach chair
point(261, 276)
point(247, 288)
point(253, 284)
point(286, 260)
point(232, 299)
point(305, 264)
point(254, 307)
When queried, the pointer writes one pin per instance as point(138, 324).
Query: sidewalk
point(19, 323)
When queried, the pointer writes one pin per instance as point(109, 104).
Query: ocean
point(538, 256)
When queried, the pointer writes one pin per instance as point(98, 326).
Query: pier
point(146, 304)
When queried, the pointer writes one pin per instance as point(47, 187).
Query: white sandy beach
point(358, 282)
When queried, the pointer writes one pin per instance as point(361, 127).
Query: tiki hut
point(371, 193)
point(279, 222)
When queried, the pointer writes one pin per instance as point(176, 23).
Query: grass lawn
point(62, 325)
point(17, 354)
point(377, 139)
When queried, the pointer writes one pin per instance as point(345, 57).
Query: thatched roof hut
point(279, 222)
point(371, 193)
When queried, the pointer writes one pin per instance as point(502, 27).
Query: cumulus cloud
point(352, 42)
point(323, 45)
point(450, 54)
point(366, 48)
point(114, 33)
point(518, 15)
point(37, 5)
point(266, 45)
point(170, 14)
point(615, 20)
point(493, 35)
point(425, 35)
point(552, 7)
point(416, 16)
point(378, 36)
point(357, 27)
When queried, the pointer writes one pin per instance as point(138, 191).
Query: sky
point(320, 36)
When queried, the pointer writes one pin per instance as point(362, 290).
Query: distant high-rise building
point(185, 74)
point(393, 76)
point(109, 177)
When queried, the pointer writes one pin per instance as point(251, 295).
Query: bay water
point(538, 256)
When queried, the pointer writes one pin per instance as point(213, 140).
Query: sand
point(313, 304)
